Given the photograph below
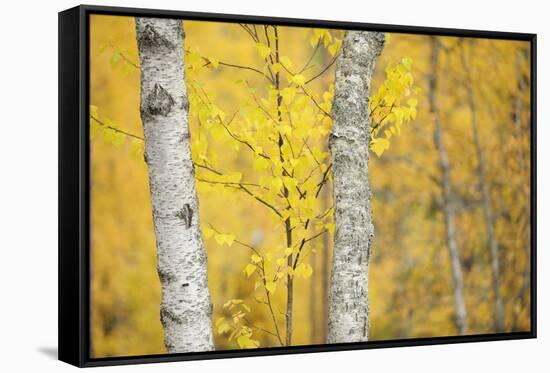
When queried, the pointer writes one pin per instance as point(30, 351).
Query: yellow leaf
point(208, 232)
point(220, 239)
point(229, 239)
point(379, 145)
point(137, 149)
point(286, 61)
point(334, 47)
point(235, 177)
point(407, 62)
point(277, 182)
point(313, 40)
point(217, 132)
point(224, 238)
point(214, 62)
point(288, 251)
point(249, 269)
point(256, 258)
point(288, 94)
point(261, 164)
point(307, 271)
point(327, 38)
point(298, 79)
point(303, 270)
point(285, 129)
point(224, 328)
point(263, 50)
point(94, 111)
point(244, 341)
point(318, 32)
point(318, 154)
point(94, 129)
point(271, 286)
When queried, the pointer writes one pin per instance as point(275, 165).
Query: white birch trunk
point(186, 309)
point(349, 147)
point(461, 316)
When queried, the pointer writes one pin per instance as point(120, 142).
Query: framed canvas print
point(233, 186)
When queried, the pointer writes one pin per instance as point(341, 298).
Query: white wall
point(28, 183)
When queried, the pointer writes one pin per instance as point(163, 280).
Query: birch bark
point(461, 316)
point(485, 201)
point(349, 147)
point(185, 310)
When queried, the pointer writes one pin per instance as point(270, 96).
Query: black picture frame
point(74, 174)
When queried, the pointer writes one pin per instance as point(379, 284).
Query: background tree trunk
point(461, 317)
point(349, 146)
point(485, 200)
point(186, 309)
point(523, 294)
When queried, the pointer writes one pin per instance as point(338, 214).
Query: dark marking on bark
point(184, 136)
point(164, 276)
point(168, 345)
point(145, 156)
point(166, 315)
point(157, 102)
point(184, 285)
point(151, 38)
point(186, 214)
point(185, 103)
point(380, 40)
point(180, 31)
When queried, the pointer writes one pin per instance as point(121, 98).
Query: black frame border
point(74, 199)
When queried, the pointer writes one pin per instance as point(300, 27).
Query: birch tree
point(349, 147)
point(522, 86)
point(461, 317)
point(185, 309)
point(492, 241)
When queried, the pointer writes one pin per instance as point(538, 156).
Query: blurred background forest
point(482, 101)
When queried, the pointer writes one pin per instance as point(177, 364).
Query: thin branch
point(270, 305)
point(208, 62)
point(127, 59)
point(116, 129)
point(249, 32)
point(248, 246)
point(324, 70)
point(310, 57)
point(258, 328)
point(323, 181)
point(261, 200)
point(228, 183)
point(315, 102)
point(302, 243)
point(208, 168)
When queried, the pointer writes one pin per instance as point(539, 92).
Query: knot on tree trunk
point(158, 102)
point(151, 38)
point(186, 214)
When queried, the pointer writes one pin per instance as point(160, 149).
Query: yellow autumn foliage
point(232, 111)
